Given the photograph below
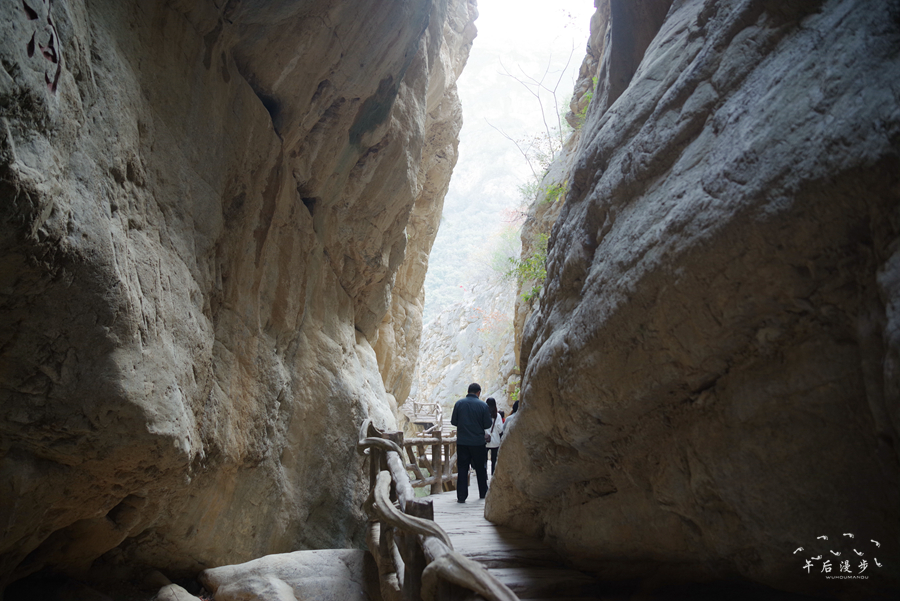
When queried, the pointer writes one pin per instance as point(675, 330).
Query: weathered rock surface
point(712, 378)
point(203, 210)
point(397, 343)
point(327, 575)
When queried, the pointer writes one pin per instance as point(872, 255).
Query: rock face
point(712, 378)
point(540, 216)
point(470, 341)
point(203, 213)
point(397, 343)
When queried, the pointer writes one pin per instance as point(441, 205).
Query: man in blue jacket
point(471, 416)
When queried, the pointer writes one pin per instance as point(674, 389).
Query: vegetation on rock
point(531, 268)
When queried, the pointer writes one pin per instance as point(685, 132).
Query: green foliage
point(555, 192)
point(567, 128)
point(514, 395)
point(531, 268)
point(540, 149)
point(533, 191)
point(589, 96)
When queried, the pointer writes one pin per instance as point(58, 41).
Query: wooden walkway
point(527, 566)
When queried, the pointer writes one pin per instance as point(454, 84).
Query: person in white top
point(494, 432)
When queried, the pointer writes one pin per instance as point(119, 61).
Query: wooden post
point(398, 438)
point(436, 472)
point(413, 555)
point(374, 466)
point(375, 458)
point(413, 462)
point(388, 568)
point(421, 449)
point(445, 472)
point(452, 466)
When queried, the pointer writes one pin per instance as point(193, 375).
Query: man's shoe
point(458, 501)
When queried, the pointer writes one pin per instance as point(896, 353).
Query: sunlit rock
point(326, 575)
point(398, 339)
point(203, 210)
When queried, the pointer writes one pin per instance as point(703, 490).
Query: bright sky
point(525, 35)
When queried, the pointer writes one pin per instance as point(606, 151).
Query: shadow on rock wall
point(711, 379)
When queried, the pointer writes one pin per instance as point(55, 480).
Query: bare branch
point(524, 153)
point(555, 101)
point(541, 150)
point(540, 86)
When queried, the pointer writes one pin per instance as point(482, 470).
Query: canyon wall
point(712, 375)
point(540, 216)
point(469, 341)
point(205, 212)
point(398, 339)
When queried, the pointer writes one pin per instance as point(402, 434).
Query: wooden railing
point(439, 464)
point(414, 555)
point(424, 411)
point(432, 413)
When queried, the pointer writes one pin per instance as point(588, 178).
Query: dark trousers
point(476, 456)
point(493, 453)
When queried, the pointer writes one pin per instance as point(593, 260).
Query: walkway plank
point(527, 566)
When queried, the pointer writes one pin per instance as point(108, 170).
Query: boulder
point(326, 575)
point(173, 592)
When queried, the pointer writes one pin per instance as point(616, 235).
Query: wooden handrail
point(417, 406)
point(416, 560)
point(431, 412)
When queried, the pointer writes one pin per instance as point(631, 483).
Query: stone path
point(527, 566)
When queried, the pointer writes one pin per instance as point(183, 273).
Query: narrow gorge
point(216, 218)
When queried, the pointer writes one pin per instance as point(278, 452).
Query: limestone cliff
point(711, 377)
point(469, 341)
point(203, 210)
point(397, 344)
